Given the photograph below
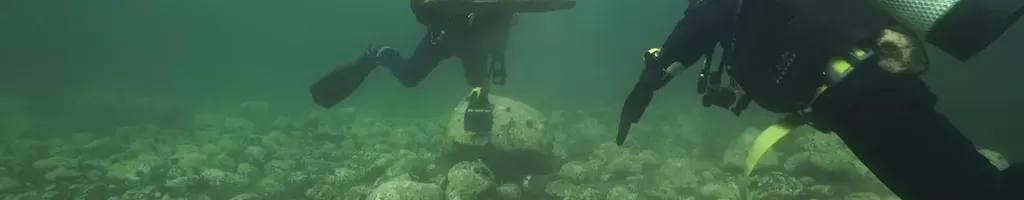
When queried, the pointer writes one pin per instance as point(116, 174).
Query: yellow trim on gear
point(476, 91)
point(765, 141)
point(474, 94)
point(771, 135)
point(840, 64)
point(653, 50)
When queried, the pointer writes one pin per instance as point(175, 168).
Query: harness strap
point(835, 71)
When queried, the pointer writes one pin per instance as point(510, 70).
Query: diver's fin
point(340, 83)
point(623, 132)
point(479, 115)
point(633, 109)
point(768, 138)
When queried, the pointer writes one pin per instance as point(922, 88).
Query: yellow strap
point(839, 64)
point(765, 141)
point(776, 132)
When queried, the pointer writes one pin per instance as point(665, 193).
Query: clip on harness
point(709, 84)
point(436, 36)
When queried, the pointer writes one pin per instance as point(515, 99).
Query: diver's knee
point(1014, 176)
point(409, 83)
point(870, 90)
point(407, 80)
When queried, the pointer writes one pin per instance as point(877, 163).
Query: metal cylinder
point(961, 28)
point(918, 15)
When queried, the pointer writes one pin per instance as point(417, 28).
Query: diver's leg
point(337, 85)
point(889, 121)
point(478, 117)
point(497, 67)
point(1014, 178)
point(475, 68)
point(423, 61)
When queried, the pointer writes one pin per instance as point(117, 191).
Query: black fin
point(339, 84)
point(633, 109)
point(623, 132)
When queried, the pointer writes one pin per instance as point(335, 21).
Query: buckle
point(437, 36)
point(839, 66)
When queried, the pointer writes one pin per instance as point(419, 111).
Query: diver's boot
point(478, 118)
point(384, 55)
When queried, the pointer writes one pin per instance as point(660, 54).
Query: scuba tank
point(961, 28)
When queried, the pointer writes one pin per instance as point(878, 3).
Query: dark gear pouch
point(478, 118)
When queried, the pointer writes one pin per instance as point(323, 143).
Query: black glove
point(654, 74)
point(652, 78)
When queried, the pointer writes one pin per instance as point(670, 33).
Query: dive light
point(961, 28)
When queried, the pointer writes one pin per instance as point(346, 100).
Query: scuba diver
point(475, 31)
point(847, 67)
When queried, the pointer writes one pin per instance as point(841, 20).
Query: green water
point(208, 100)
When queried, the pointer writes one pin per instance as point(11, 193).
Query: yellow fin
point(764, 141)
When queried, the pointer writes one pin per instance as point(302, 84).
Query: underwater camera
point(714, 93)
point(723, 97)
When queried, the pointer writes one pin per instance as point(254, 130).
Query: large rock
point(517, 146)
point(467, 180)
point(517, 127)
point(776, 185)
point(736, 153)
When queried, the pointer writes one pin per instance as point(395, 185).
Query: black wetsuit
point(888, 120)
point(477, 39)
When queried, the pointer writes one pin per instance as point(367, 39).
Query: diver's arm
point(698, 32)
point(694, 35)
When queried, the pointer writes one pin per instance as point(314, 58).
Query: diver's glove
point(478, 118)
point(384, 55)
point(656, 73)
point(652, 59)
